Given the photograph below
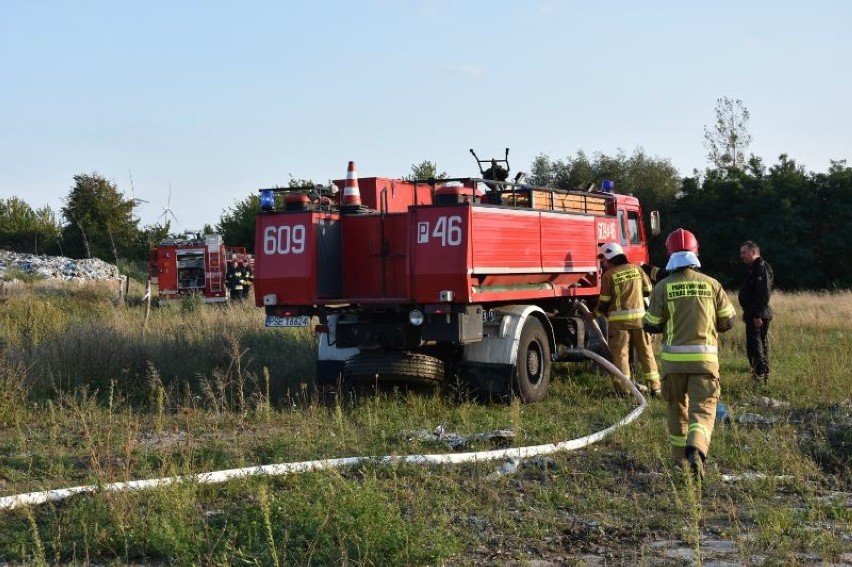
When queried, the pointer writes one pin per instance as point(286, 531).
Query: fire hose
point(34, 498)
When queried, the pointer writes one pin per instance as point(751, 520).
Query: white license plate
point(276, 321)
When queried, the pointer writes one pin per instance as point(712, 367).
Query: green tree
point(790, 213)
point(100, 221)
point(728, 139)
point(23, 229)
point(236, 225)
point(831, 236)
point(150, 235)
point(575, 173)
point(653, 180)
point(716, 209)
point(425, 170)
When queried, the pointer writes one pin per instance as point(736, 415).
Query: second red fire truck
point(193, 265)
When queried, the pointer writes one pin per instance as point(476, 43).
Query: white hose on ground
point(33, 498)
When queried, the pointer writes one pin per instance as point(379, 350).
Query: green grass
point(89, 396)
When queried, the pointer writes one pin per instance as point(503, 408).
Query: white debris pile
point(56, 267)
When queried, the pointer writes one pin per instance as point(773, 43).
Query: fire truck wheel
point(532, 370)
point(404, 367)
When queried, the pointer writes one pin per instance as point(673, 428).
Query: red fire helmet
point(681, 240)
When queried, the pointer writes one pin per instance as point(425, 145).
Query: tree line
point(97, 221)
point(797, 217)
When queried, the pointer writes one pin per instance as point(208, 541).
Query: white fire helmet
point(610, 250)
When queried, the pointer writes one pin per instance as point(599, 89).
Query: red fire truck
point(473, 279)
point(193, 265)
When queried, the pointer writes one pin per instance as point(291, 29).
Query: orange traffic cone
point(351, 193)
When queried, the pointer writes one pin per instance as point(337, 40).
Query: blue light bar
point(267, 200)
point(607, 186)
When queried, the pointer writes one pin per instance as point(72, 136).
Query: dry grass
point(87, 396)
point(820, 310)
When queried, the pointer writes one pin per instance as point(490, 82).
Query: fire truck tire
point(532, 369)
point(405, 367)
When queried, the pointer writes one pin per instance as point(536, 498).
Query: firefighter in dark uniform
point(234, 280)
point(754, 300)
point(623, 290)
point(248, 277)
point(690, 309)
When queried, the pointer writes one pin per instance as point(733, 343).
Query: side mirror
point(655, 223)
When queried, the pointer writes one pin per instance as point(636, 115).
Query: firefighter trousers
point(692, 402)
point(620, 342)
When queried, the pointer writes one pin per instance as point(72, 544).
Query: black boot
point(696, 462)
point(759, 379)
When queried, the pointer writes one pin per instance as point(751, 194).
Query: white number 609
point(284, 239)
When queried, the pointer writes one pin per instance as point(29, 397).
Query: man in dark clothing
point(754, 300)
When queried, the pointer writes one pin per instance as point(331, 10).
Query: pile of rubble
point(55, 267)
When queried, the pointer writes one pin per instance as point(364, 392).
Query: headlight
point(415, 317)
point(267, 200)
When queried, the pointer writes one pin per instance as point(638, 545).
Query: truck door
point(631, 233)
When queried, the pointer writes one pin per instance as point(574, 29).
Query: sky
point(196, 105)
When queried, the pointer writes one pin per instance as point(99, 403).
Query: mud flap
point(488, 381)
point(329, 372)
point(330, 359)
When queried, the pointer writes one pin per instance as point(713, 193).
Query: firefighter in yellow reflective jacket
point(690, 309)
point(623, 290)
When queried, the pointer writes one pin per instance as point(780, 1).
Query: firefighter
point(623, 290)
point(754, 300)
point(234, 281)
point(690, 309)
point(248, 277)
point(654, 273)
